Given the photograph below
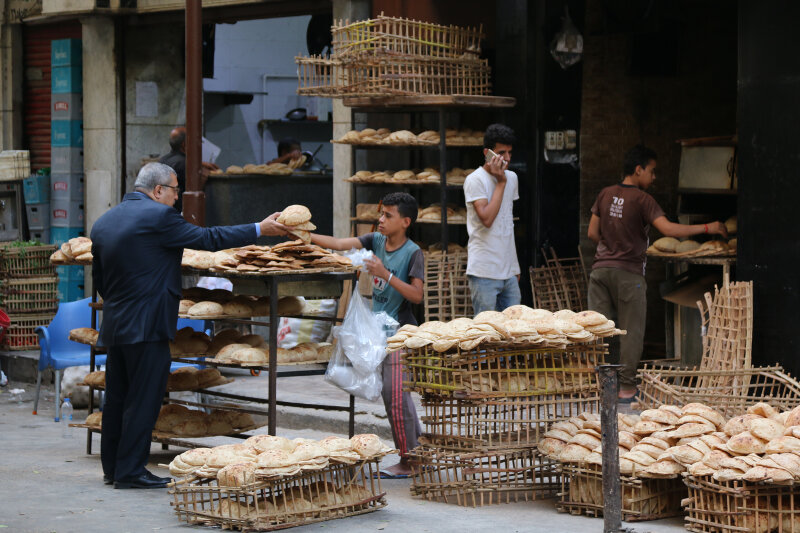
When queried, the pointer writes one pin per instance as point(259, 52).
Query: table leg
point(274, 321)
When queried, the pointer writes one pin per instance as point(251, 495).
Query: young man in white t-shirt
point(490, 191)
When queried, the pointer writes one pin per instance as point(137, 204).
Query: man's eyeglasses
point(177, 189)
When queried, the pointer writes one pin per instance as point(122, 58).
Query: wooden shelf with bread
point(288, 270)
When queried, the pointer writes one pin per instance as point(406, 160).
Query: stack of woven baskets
point(487, 406)
point(395, 56)
point(28, 291)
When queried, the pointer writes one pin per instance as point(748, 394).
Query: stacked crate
point(36, 190)
point(481, 430)
point(67, 178)
point(28, 291)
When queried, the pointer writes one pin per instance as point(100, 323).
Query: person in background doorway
point(620, 223)
point(492, 266)
point(398, 271)
point(176, 159)
point(288, 149)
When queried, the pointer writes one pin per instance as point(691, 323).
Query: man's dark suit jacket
point(137, 248)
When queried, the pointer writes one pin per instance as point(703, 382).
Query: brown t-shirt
point(626, 213)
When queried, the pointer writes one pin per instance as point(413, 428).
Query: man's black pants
point(136, 379)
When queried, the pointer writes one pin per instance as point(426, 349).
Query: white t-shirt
point(492, 252)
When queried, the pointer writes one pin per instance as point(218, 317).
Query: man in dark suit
point(137, 247)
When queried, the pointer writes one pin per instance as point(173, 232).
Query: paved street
point(51, 485)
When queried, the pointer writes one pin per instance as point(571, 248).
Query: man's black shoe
point(144, 481)
point(154, 477)
point(108, 480)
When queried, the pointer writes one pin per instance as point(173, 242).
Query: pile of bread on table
point(272, 169)
point(75, 251)
point(692, 248)
point(201, 303)
point(231, 346)
point(187, 378)
point(176, 419)
point(433, 213)
point(454, 176)
point(518, 324)
point(762, 445)
point(384, 136)
point(254, 259)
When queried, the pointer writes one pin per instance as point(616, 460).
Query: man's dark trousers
point(136, 380)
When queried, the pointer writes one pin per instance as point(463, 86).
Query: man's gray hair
point(153, 174)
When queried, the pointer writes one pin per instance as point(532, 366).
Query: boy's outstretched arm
point(333, 243)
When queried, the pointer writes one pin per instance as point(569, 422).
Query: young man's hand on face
point(496, 167)
point(375, 268)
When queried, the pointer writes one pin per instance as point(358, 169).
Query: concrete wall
point(620, 110)
point(257, 56)
point(153, 53)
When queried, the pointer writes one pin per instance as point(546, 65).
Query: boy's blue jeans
point(493, 294)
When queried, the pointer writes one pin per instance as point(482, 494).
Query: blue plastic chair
point(58, 352)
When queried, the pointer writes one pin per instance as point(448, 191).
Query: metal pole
point(193, 197)
point(274, 321)
point(443, 175)
point(612, 497)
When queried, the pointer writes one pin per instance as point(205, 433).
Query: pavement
point(49, 484)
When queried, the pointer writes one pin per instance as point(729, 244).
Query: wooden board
point(239, 273)
point(453, 100)
point(221, 381)
point(162, 435)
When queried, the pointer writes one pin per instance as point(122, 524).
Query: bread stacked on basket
point(269, 457)
point(455, 176)
point(75, 251)
point(762, 445)
point(254, 259)
point(517, 325)
point(383, 136)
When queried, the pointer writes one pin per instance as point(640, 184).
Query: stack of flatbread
point(563, 440)
point(84, 335)
point(451, 248)
point(455, 176)
point(179, 420)
point(433, 213)
point(669, 246)
point(272, 169)
point(286, 256)
point(518, 324)
point(274, 457)
point(298, 219)
point(247, 355)
point(453, 137)
point(186, 378)
point(77, 251)
point(189, 342)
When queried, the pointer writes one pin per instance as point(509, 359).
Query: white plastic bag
point(360, 349)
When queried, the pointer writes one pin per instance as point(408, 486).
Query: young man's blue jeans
point(493, 294)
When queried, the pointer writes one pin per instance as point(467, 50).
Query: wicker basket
point(731, 394)
point(24, 261)
point(540, 371)
point(403, 37)
point(262, 507)
point(387, 76)
point(642, 499)
point(738, 506)
point(446, 289)
point(21, 334)
point(481, 478)
point(498, 424)
point(29, 295)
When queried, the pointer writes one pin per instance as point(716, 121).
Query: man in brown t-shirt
point(621, 219)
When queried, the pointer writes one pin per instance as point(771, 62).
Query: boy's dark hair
point(406, 204)
point(498, 133)
point(639, 155)
point(285, 145)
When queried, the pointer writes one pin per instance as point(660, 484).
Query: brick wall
point(619, 110)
